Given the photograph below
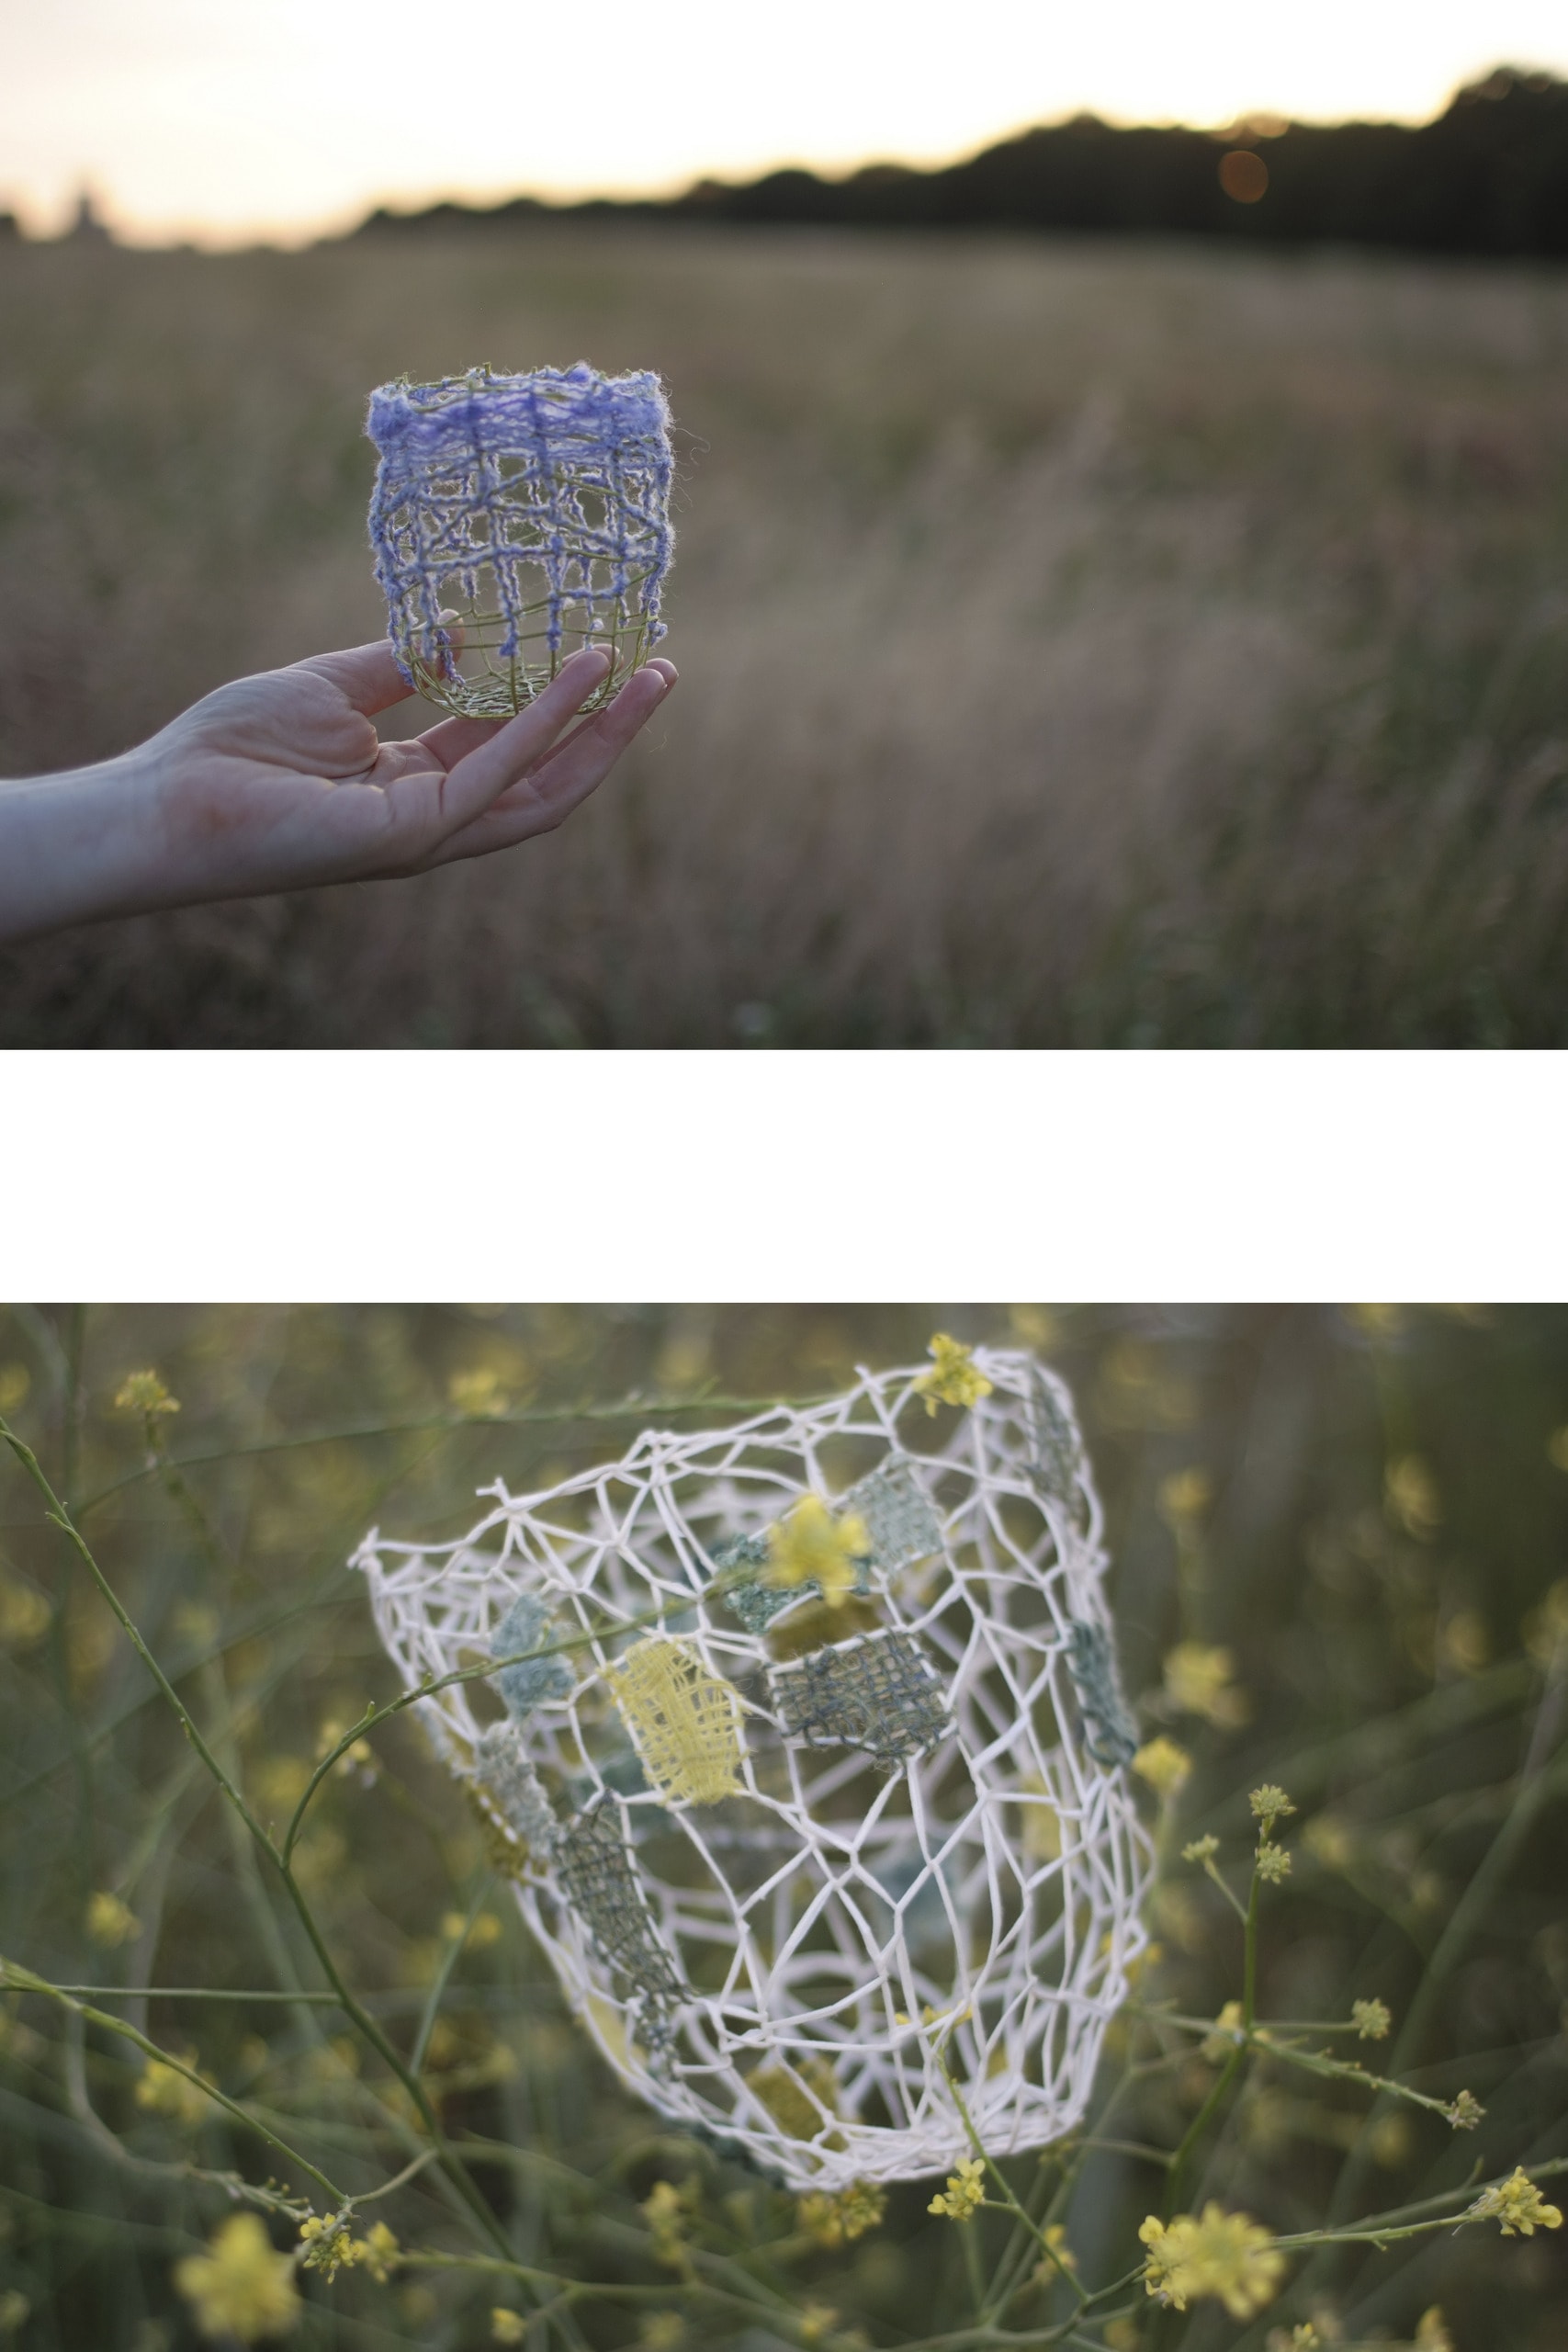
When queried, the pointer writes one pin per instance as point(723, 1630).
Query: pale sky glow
point(225, 120)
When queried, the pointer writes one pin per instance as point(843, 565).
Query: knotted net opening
point(793, 1853)
point(534, 511)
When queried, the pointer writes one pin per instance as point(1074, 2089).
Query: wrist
point(69, 846)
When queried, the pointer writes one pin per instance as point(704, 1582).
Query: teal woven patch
point(506, 1771)
point(898, 1517)
point(876, 1692)
point(598, 1879)
point(533, 1681)
point(1109, 1733)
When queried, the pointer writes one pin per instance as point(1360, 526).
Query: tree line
point(1487, 178)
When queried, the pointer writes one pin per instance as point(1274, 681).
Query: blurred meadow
point(1083, 643)
point(1338, 1544)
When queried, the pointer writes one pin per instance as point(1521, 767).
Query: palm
point(279, 781)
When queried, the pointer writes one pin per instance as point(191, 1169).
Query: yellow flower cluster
point(1223, 2255)
point(667, 2210)
point(1229, 2027)
point(1200, 1681)
point(838, 2221)
point(110, 1922)
point(1163, 1765)
point(331, 2249)
point(1518, 2204)
point(810, 1546)
point(954, 1378)
point(964, 2193)
point(240, 2288)
point(1268, 1803)
point(144, 1392)
point(507, 2326)
point(1371, 2019)
point(163, 2090)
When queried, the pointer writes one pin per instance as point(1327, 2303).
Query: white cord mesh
point(931, 1820)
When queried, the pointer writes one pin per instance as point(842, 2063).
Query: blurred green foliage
point(1339, 1542)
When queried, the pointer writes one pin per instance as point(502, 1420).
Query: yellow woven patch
point(683, 1718)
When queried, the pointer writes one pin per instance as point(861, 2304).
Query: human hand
point(279, 782)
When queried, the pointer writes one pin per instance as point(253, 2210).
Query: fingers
point(566, 776)
point(483, 774)
point(367, 676)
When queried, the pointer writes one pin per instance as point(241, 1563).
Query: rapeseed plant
point(1239, 2169)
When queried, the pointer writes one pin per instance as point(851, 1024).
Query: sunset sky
point(226, 119)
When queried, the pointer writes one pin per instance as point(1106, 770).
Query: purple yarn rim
point(483, 474)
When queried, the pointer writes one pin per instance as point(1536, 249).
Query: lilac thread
point(486, 473)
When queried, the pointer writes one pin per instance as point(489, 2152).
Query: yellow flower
point(1371, 2019)
point(1328, 1841)
point(108, 1920)
point(1163, 1765)
point(954, 1378)
point(810, 1546)
point(1223, 2255)
point(1268, 1803)
point(479, 1394)
point(163, 2090)
point(1410, 1496)
point(24, 1613)
point(1431, 2335)
point(1546, 1628)
point(816, 2320)
point(1227, 2034)
point(506, 2327)
point(240, 2287)
point(838, 2221)
point(377, 2250)
point(1184, 1496)
point(1518, 2204)
point(1272, 1863)
point(144, 1392)
point(1047, 2270)
point(1463, 1643)
point(964, 2193)
point(1199, 1682)
point(1465, 2112)
point(665, 2212)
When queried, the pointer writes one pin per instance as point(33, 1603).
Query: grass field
point(1081, 643)
point(1337, 1542)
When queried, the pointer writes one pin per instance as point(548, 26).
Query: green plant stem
point(547, 1415)
point(1466, 1916)
point(366, 2024)
point(1177, 2174)
point(1009, 2200)
point(441, 1978)
point(197, 1992)
point(23, 1980)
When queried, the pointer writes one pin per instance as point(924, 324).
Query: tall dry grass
point(1082, 644)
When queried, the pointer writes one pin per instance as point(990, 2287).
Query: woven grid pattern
point(877, 1693)
point(682, 1720)
point(838, 1920)
point(535, 508)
